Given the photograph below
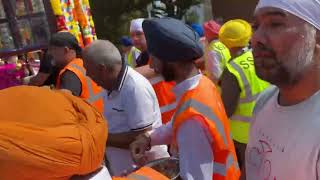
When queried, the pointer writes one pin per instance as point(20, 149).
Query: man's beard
point(289, 69)
point(168, 72)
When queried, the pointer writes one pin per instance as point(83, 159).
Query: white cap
point(308, 10)
point(136, 25)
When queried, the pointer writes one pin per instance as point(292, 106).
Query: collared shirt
point(131, 106)
point(195, 154)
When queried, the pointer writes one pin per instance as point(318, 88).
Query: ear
point(101, 67)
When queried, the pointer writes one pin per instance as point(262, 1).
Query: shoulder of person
point(137, 80)
point(264, 98)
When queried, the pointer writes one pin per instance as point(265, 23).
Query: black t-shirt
point(47, 68)
point(46, 64)
point(71, 82)
point(52, 79)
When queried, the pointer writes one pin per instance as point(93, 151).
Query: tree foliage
point(112, 17)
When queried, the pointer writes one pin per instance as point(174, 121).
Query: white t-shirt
point(133, 105)
point(284, 141)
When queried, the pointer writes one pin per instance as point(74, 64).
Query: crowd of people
point(232, 101)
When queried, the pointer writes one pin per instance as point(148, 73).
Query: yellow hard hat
point(235, 33)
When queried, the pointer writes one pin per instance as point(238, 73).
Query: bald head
point(102, 52)
point(103, 63)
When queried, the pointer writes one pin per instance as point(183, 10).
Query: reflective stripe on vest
point(204, 110)
point(92, 96)
point(168, 107)
point(156, 80)
point(204, 105)
point(242, 67)
point(221, 169)
point(249, 95)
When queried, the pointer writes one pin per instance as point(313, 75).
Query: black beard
point(168, 72)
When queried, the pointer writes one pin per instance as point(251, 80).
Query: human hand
point(139, 147)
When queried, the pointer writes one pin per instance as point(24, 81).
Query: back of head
point(64, 48)
point(57, 137)
point(198, 29)
point(126, 41)
point(211, 30)
point(102, 52)
point(65, 39)
point(172, 40)
point(235, 33)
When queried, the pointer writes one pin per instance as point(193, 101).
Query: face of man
point(283, 46)
point(139, 40)
point(97, 73)
point(167, 70)
point(60, 55)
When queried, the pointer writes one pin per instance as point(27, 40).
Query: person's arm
point(214, 66)
point(162, 135)
point(123, 140)
point(71, 82)
point(142, 113)
point(38, 79)
point(230, 92)
point(195, 151)
point(144, 142)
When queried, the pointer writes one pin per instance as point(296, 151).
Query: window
point(23, 24)
point(6, 39)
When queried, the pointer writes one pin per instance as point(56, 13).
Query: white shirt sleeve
point(195, 154)
point(141, 108)
point(214, 64)
point(162, 135)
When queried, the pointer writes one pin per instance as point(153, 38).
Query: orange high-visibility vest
point(166, 98)
point(205, 105)
point(91, 92)
point(144, 173)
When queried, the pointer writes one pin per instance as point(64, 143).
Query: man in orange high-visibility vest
point(66, 52)
point(199, 132)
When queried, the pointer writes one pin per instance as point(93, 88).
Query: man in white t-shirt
point(130, 104)
point(284, 141)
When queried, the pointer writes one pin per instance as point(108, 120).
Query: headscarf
point(308, 10)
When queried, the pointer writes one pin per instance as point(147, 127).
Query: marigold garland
point(56, 7)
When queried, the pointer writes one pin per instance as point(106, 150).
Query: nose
point(259, 37)
point(134, 37)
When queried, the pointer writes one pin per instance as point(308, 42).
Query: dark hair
point(66, 39)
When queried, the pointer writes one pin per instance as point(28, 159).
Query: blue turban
point(172, 40)
point(198, 28)
point(126, 41)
